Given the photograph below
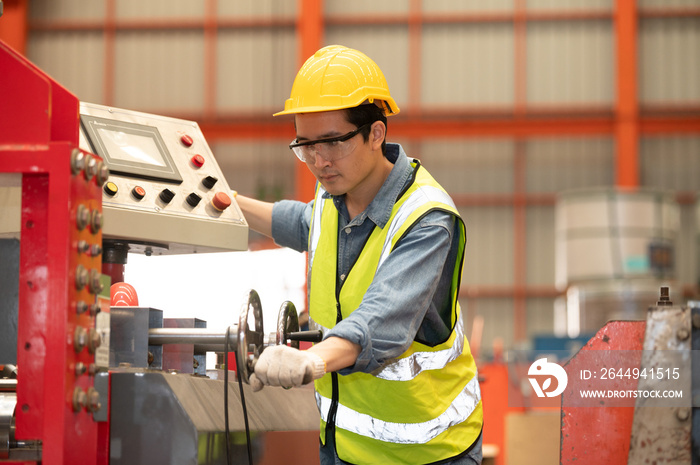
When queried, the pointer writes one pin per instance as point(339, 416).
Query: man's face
point(337, 176)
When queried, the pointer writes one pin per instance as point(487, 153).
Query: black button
point(166, 195)
point(193, 199)
point(209, 181)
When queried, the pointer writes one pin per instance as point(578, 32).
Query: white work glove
point(283, 366)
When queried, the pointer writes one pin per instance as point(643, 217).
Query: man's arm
point(338, 353)
point(257, 213)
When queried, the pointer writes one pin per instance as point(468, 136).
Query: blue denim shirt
point(409, 298)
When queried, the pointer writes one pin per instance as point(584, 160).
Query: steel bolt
point(82, 217)
point(94, 340)
point(91, 168)
point(77, 161)
point(95, 285)
point(79, 399)
point(80, 338)
point(96, 221)
point(683, 414)
point(102, 173)
point(83, 246)
point(95, 250)
point(81, 307)
point(94, 309)
point(683, 334)
point(81, 277)
point(80, 369)
point(93, 400)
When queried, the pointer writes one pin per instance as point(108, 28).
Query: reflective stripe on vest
point(405, 369)
point(405, 433)
point(315, 227)
point(423, 195)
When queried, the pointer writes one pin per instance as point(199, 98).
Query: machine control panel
point(166, 193)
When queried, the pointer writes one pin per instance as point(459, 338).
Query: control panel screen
point(130, 149)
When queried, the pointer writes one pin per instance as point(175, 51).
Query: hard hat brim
point(390, 108)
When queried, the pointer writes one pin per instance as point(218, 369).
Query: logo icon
point(547, 370)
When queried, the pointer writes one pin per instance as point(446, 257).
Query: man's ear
point(377, 135)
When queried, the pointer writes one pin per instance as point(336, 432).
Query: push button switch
point(209, 181)
point(221, 201)
point(193, 199)
point(187, 140)
point(138, 192)
point(197, 161)
point(111, 189)
point(166, 195)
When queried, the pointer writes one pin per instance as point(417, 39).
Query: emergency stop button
point(221, 201)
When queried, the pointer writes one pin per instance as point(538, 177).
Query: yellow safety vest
point(424, 406)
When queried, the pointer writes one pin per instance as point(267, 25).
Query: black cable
point(239, 364)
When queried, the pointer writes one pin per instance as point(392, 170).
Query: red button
point(186, 140)
point(138, 192)
point(221, 201)
point(198, 161)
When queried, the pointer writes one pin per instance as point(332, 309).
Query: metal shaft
point(209, 340)
point(196, 336)
point(8, 385)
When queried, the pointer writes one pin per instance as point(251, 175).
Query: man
point(395, 379)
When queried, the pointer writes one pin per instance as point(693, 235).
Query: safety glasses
point(331, 149)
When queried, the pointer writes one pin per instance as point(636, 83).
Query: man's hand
point(283, 366)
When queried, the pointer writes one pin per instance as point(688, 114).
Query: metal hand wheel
point(287, 322)
point(249, 341)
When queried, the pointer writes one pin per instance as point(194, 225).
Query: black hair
point(367, 114)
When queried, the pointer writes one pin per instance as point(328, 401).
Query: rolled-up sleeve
point(290, 224)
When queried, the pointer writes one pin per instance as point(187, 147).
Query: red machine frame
point(58, 277)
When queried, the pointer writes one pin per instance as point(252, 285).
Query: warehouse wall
point(473, 64)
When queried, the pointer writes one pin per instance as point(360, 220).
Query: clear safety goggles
point(331, 149)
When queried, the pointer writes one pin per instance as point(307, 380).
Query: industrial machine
point(653, 372)
point(84, 382)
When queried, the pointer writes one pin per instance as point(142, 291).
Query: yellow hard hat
point(338, 77)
